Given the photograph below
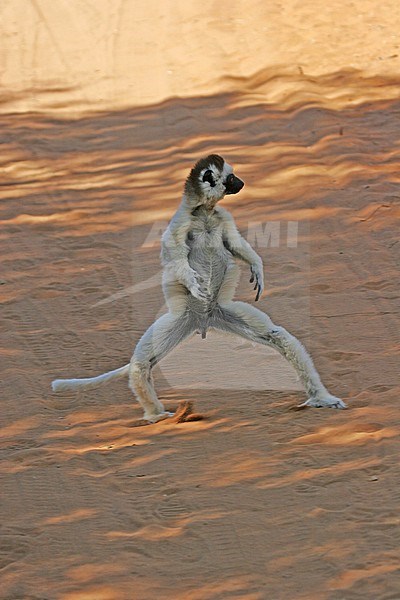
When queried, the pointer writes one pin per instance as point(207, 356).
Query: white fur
point(214, 194)
point(60, 385)
point(199, 252)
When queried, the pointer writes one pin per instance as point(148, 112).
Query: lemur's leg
point(250, 323)
point(161, 337)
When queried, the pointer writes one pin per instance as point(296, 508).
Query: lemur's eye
point(229, 179)
point(208, 176)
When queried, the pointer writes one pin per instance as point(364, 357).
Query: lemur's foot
point(327, 401)
point(152, 418)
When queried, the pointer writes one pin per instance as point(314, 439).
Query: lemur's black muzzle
point(233, 184)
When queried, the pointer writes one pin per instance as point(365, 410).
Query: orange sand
point(104, 105)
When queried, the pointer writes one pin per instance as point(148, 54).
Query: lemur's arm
point(241, 249)
point(174, 253)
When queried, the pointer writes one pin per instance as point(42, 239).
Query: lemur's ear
point(208, 176)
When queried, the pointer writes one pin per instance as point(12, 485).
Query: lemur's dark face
point(210, 180)
point(220, 181)
point(233, 184)
point(217, 179)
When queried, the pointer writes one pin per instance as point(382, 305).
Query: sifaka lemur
point(200, 251)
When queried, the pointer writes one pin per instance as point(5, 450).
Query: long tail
point(60, 385)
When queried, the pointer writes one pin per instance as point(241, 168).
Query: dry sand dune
point(103, 108)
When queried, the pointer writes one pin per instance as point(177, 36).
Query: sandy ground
point(104, 106)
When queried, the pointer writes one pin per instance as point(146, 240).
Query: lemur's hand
point(258, 276)
point(197, 288)
point(199, 293)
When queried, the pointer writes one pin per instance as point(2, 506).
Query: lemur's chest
point(205, 229)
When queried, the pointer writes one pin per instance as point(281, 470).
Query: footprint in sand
point(381, 284)
point(379, 388)
point(46, 293)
